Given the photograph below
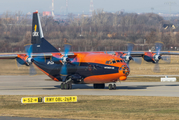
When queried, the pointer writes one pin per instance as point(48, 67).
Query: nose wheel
point(66, 86)
point(112, 86)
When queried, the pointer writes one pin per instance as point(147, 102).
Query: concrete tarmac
point(42, 85)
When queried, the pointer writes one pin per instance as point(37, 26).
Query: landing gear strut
point(112, 86)
point(66, 86)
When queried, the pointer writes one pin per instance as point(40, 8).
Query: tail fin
point(39, 44)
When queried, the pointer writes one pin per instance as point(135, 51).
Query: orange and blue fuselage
point(92, 67)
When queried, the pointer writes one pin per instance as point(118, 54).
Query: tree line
point(102, 31)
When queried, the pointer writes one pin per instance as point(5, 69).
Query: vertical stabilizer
point(39, 44)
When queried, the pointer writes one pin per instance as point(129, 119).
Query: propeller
point(20, 61)
point(167, 58)
point(29, 60)
point(138, 60)
point(157, 57)
point(65, 60)
point(128, 57)
point(156, 68)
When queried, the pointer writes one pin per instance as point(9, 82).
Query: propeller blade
point(64, 65)
point(158, 47)
point(156, 68)
point(67, 49)
point(32, 70)
point(138, 60)
point(166, 58)
point(28, 50)
point(64, 70)
point(130, 48)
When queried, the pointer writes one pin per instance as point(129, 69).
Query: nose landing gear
point(66, 86)
point(112, 86)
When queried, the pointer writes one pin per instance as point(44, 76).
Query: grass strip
point(95, 108)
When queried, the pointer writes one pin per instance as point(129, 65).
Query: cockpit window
point(114, 61)
point(107, 62)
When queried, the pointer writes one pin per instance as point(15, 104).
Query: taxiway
point(42, 85)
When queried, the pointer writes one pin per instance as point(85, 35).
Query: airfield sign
point(31, 100)
point(60, 99)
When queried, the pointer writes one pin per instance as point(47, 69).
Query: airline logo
point(35, 33)
point(50, 63)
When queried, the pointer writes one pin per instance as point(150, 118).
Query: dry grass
point(95, 108)
point(9, 67)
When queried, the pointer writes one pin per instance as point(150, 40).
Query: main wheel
point(62, 86)
point(66, 86)
point(114, 86)
point(110, 86)
point(69, 86)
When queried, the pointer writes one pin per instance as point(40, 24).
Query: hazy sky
point(78, 6)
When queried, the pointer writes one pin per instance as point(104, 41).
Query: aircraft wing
point(137, 54)
point(8, 56)
point(133, 54)
point(15, 55)
point(140, 54)
point(168, 53)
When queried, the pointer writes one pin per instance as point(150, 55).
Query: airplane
point(69, 68)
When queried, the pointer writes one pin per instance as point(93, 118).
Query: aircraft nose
point(123, 72)
point(124, 69)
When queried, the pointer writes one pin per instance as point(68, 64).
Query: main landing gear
point(66, 86)
point(112, 86)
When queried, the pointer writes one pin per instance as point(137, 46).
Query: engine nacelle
point(20, 61)
point(151, 57)
point(124, 56)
